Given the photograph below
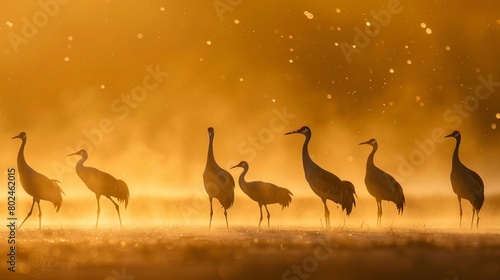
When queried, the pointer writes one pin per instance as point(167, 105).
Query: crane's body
point(466, 183)
point(323, 183)
point(263, 193)
point(39, 186)
point(218, 182)
point(102, 183)
point(381, 185)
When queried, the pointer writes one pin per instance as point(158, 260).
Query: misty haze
point(130, 89)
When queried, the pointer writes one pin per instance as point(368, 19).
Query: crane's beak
point(237, 165)
point(449, 135)
point(366, 142)
point(73, 154)
point(16, 137)
point(292, 132)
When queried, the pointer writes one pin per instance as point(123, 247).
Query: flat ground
point(247, 253)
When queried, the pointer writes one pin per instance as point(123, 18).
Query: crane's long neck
point(79, 165)
point(456, 159)
point(306, 159)
point(241, 180)
point(210, 155)
point(21, 161)
point(370, 162)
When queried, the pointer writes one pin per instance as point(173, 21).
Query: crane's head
point(21, 136)
point(455, 134)
point(372, 142)
point(211, 131)
point(242, 164)
point(303, 130)
point(81, 152)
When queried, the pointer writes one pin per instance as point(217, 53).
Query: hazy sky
point(137, 83)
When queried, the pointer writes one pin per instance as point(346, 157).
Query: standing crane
point(263, 193)
point(323, 183)
point(102, 183)
point(381, 185)
point(37, 185)
point(466, 183)
point(218, 182)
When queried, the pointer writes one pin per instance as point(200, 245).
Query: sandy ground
point(248, 253)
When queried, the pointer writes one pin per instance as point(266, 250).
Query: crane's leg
point(211, 213)
point(117, 210)
point(327, 215)
point(29, 214)
point(39, 215)
point(477, 214)
point(268, 217)
point(473, 213)
point(260, 207)
point(379, 219)
point(225, 215)
point(98, 197)
point(461, 212)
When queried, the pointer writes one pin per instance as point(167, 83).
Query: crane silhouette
point(323, 183)
point(102, 183)
point(218, 182)
point(263, 193)
point(381, 185)
point(466, 183)
point(37, 185)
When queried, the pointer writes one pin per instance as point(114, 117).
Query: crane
point(217, 181)
point(102, 183)
point(37, 185)
point(381, 185)
point(263, 193)
point(466, 183)
point(323, 183)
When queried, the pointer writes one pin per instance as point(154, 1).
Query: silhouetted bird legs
point(39, 215)
point(327, 214)
point(117, 210)
point(98, 197)
point(461, 212)
point(30, 212)
point(474, 211)
point(225, 215)
point(211, 213)
point(379, 213)
point(477, 214)
point(268, 215)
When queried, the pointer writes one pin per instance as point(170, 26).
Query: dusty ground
point(246, 253)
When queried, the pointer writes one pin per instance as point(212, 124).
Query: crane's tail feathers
point(284, 197)
point(122, 193)
point(400, 202)
point(57, 185)
point(478, 203)
point(54, 195)
point(227, 198)
point(348, 197)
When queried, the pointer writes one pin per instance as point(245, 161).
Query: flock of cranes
point(219, 184)
point(42, 188)
point(382, 186)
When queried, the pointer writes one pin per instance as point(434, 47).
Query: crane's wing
point(324, 183)
point(476, 183)
point(391, 184)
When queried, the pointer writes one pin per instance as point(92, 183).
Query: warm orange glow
point(138, 83)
